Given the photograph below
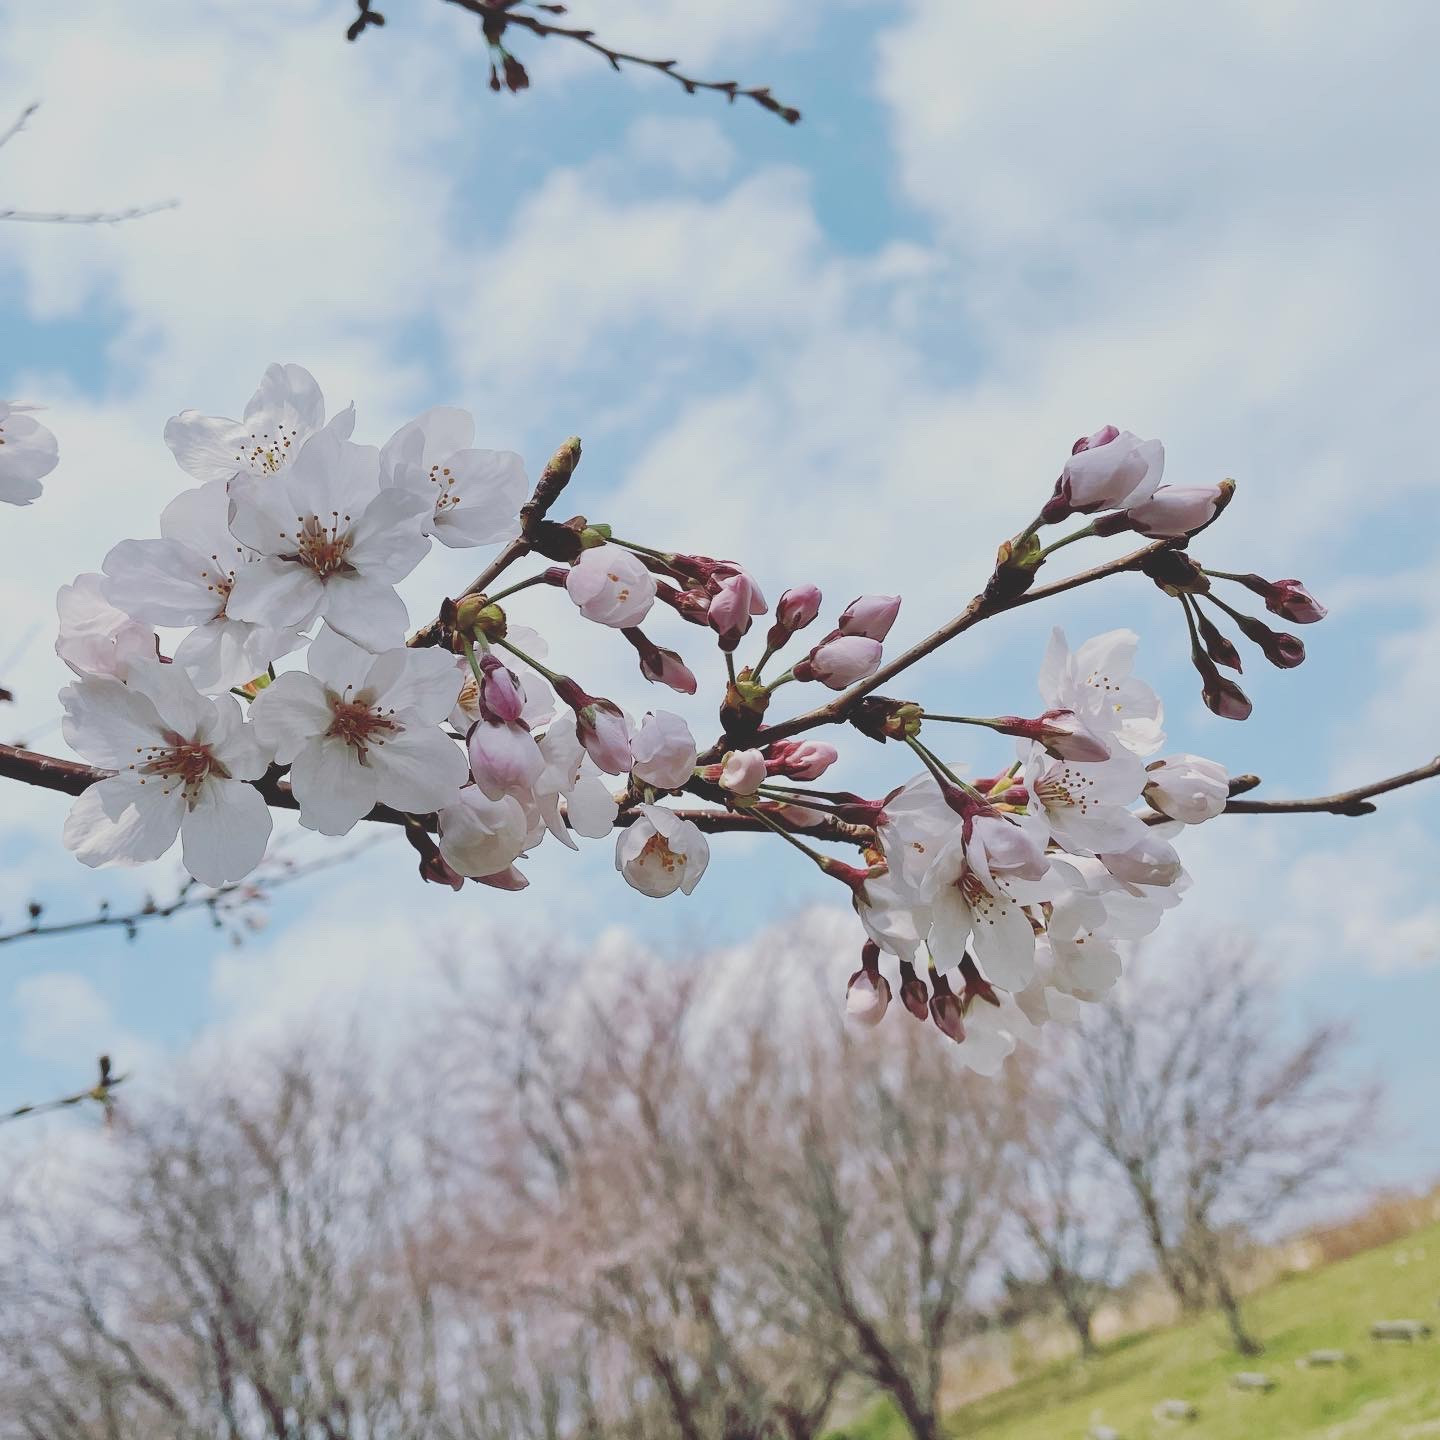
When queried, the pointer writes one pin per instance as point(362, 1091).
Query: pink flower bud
point(1174, 510)
point(1103, 436)
point(504, 758)
point(1279, 648)
point(1291, 601)
point(665, 667)
point(743, 772)
point(801, 759)
point(1225, 697)
point(1217, 645)
point(797, 608)
point(867, 996)
point(913, 994)
point(501, 696)
point(946, 1010)
point(735, 600)
point(605, 734)
point(1108, 469)
point(841, 661)
point(870, 615)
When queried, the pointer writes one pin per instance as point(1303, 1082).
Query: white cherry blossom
point(331, 542)
point(1086, 803)
point(182, 761)
point(572, 778)
point(1110, 468)
point(991, 1033)
point(185, 578)
point(611, 586)
point(283, 413)
point(361, 729)
point(95, 638)
point(659, 852)
point(663, 751)
point(474, 495)
point(28, 453)
point(1096, 684)
point(481, 837)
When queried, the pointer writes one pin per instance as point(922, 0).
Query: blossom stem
point(761, 662)
point(532, 662)
point(799, 798)
point(780, 680)
point(940, 770)
point(666, 559)
point(525, 584)
point(1064, 540)
point(730, 666)
point(822, 861)
point(1197, 650)
point(475, 669)
point(962, 720)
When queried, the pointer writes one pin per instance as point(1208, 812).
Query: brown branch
point(498, 15)
point(980, 608)
point(70, 777)
point(1343, 802)
point(19, 123)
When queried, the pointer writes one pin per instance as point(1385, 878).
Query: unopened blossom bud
point(1279, 648)
point(801, 759)
point(1175, 510)
point(883, 719)
point(660, 666)
point(601, 726)
point(663, 751)
point(946, 1010)
point(504, 758)
point(476, 617)
point(913, 993)
point(1150, 861)
point(1060, 732)
point(867, 996)
point(1288, 599)
point(1217, 645)
point(743, 772)
point(1105, 470)
point(691, 605)
point(1188, 788)
point(1224, 697)
point(840, 662)
point(500, 694)
point(611, 586)
point(744, 706)
point(735, 601)
point(870, 615)
point(797, 608)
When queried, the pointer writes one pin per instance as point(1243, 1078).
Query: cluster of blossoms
point(1002, 902)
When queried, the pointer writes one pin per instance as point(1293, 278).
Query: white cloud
point(65, 1020)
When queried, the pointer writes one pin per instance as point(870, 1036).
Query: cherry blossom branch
point(100, 1093)
point(1343, 802)
point(191, 895)
point(982, 607)
point(70, 777)
point(496, 16)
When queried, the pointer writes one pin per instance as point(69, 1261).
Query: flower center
point(178, 762)
point(323, 548)
point(441, 477)
point(657, 849)
point(267, 450)
point(360, 726)
point(1062, 786)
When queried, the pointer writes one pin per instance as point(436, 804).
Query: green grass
point(1390, 1391)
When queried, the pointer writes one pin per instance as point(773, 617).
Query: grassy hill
point(1389, 1392)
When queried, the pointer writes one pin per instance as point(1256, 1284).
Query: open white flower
point(572, 777)
point(664, 751)
point(474, 495)
point(95, 638)
point(1085, 803)
point(362, 729)
point(992, 1032)
point(1096, 684)
point(282, 415)
point(182, 761)
point(28, 453)
point(331, 543)
point(660, 853)
point(185, 578)
point(978, 888)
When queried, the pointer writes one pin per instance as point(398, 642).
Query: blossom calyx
point(743, 709)
point(1175, 573)
point(476, 618)
point(1016, 562)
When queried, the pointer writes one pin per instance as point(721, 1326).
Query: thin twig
point(19, 124)
point(94, 217)
point(100, 1093)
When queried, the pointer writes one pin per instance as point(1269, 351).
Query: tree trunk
point(1245, 1343)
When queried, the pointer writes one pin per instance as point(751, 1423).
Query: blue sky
point(853, 351)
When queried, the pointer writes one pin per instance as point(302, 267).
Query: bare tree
point(1215, 1116)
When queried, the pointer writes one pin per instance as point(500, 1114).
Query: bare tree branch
point(99, 1092)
